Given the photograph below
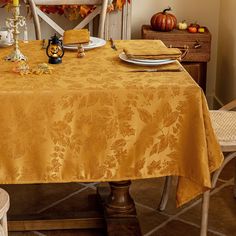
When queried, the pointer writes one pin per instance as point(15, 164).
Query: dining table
point(102, 119)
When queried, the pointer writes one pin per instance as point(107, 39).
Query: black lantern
point(55, 50)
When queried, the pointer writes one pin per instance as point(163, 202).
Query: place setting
point(81, 37)
point(152, 56)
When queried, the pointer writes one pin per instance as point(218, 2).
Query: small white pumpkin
point(182, 25)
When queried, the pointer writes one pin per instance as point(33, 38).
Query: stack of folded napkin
point(150, 49)
point(76, 36)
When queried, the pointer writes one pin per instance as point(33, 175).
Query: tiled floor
point(43, 199)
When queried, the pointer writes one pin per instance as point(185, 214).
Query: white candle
point(15, 3)
point(25, 35)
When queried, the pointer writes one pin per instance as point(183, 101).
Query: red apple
point(192, 29)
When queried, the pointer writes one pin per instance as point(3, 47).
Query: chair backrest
point(101, 8)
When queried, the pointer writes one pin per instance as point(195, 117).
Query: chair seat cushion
point(224, 124)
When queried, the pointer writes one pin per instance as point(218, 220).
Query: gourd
point(182, 25)
point(163, 21)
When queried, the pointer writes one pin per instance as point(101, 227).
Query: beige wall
point(226, 66)
point(204, 12)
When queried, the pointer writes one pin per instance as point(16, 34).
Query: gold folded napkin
point(76, 36)
point(150, 49)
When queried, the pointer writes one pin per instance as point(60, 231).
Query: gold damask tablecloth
point(94, 120)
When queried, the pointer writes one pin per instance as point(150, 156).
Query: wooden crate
point(199, 49)
point(199, 44)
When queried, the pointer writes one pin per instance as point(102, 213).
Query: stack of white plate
point(5, 44)
point(145, 62)
point(93, 43)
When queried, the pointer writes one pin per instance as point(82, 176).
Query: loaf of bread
point(76, 36)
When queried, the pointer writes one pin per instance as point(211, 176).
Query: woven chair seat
point(4, 207)
point(224, 124)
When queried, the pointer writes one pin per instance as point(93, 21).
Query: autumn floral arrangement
point(72, 12)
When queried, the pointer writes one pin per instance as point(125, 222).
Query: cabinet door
point(197, 71)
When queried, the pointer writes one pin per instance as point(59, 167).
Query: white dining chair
point(101, 9)
point(224, 124)
point(4, 206)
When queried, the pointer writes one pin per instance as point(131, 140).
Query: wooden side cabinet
point(199, 45)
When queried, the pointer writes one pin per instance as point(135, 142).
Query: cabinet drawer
point(199, 44)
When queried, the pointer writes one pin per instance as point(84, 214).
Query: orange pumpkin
point(163, 21)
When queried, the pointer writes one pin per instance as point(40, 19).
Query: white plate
point(94, 43)
point(150, 60)
point(123, 57)
point(4, 45)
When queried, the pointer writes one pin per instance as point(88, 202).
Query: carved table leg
point(120, 212)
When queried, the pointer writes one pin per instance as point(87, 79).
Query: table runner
point(94, 120)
